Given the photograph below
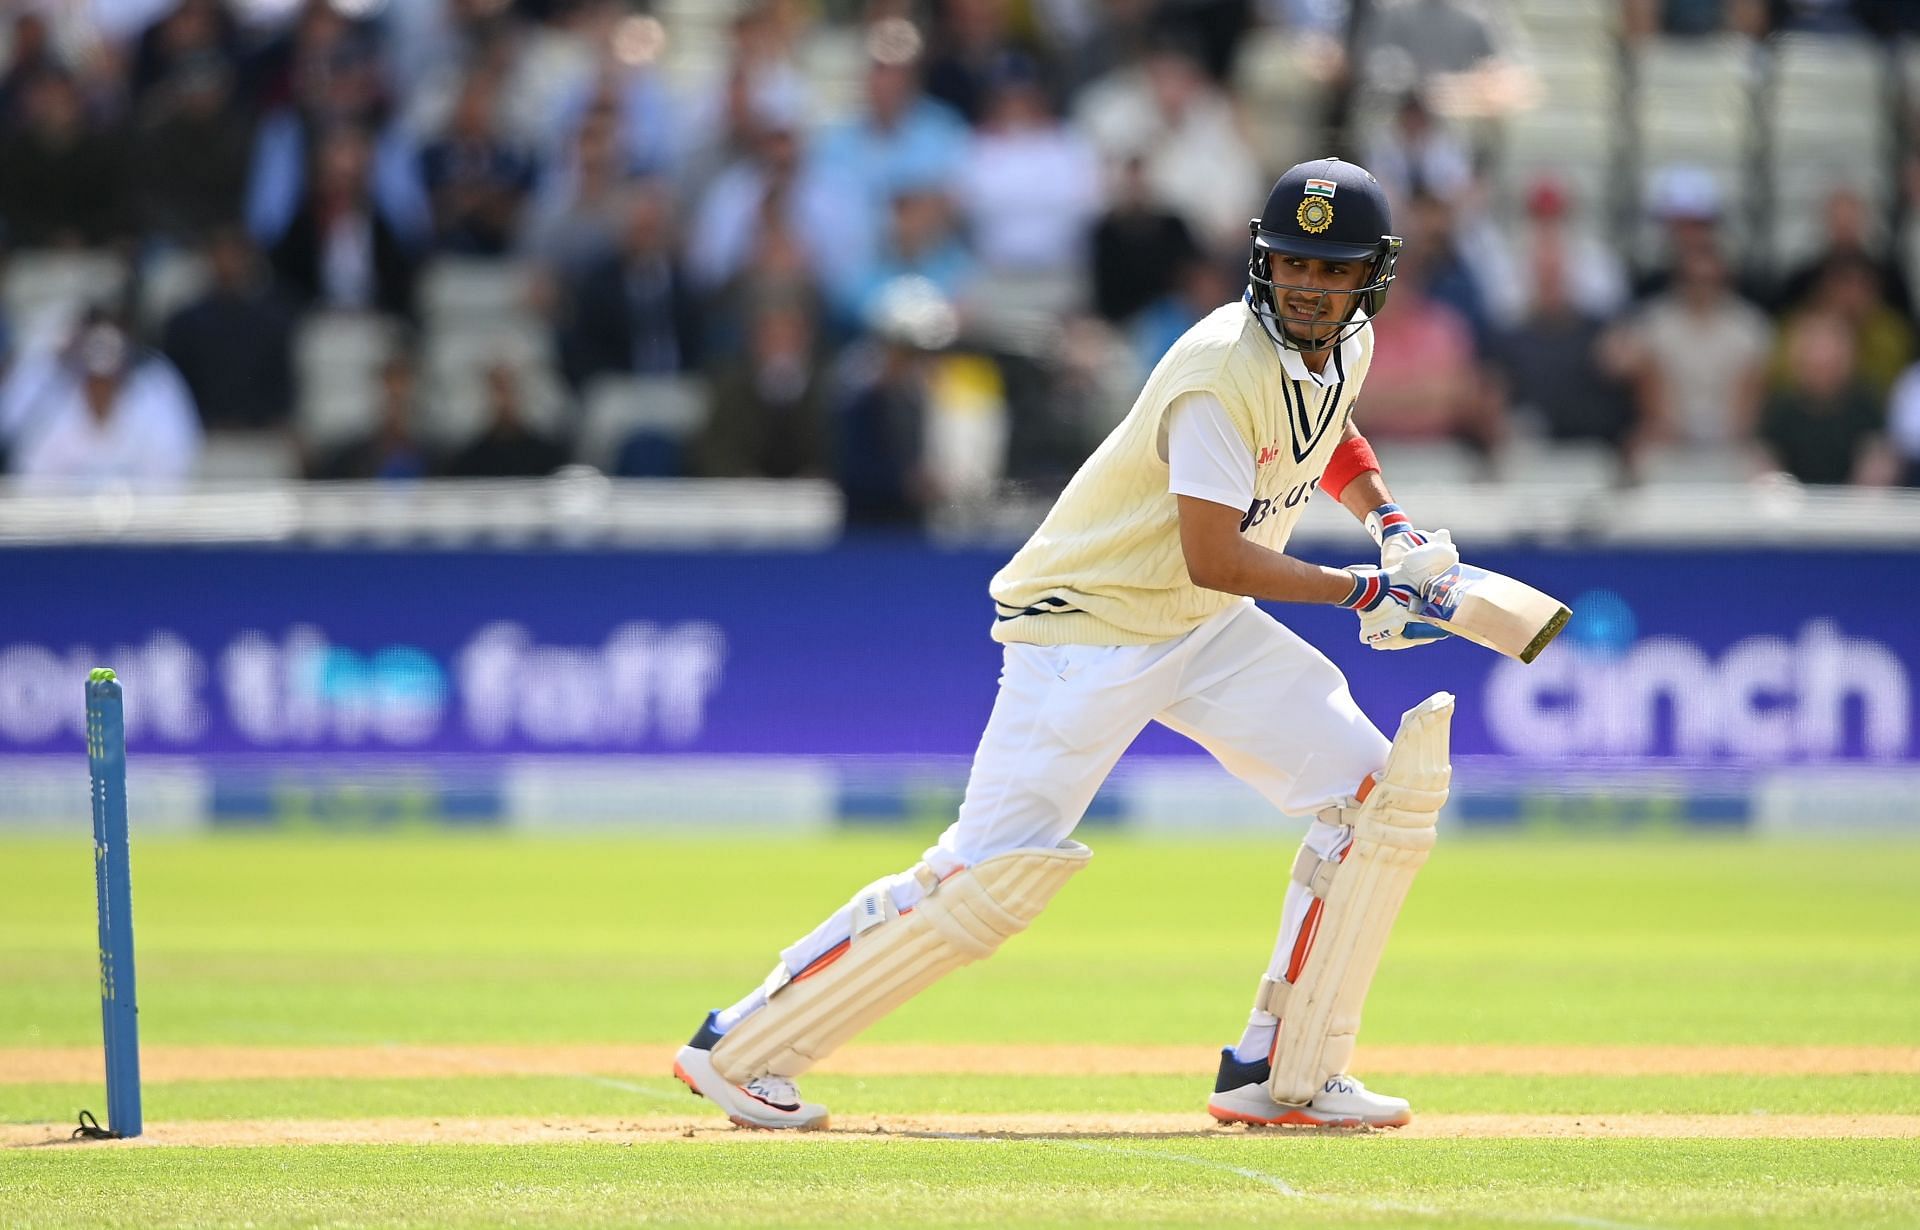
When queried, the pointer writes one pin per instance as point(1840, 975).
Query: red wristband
point(1353, 458)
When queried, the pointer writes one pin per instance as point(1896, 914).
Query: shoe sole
point(1302, 1118)
point(819, 1125)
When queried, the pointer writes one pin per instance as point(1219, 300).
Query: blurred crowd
point(952, 272)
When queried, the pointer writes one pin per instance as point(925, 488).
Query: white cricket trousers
point(1270, 707)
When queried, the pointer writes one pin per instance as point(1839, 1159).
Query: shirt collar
point(1335, 371)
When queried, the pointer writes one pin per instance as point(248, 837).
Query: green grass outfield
point(430, 942)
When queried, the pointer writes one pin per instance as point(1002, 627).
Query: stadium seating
point(337, 357)
point(618, 407)
point(458, 292)
point(169, 280)
point(1572, 131)
point(1693, 105)
point(1827, 119)
point(248, 457)
point(41, 289)
point(1573, 468)
point(457, 362)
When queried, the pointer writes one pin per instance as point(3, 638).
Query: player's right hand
point(1385, 603)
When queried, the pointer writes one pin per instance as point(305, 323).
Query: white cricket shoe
point(1240, 1096)
point(763, 1102)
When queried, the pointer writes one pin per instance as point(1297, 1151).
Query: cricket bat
point(1505, 615)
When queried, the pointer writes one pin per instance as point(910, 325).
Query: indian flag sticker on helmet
point(1321, 187)
point(1314, 215)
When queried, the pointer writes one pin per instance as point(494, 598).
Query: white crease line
point(607, 1082)
point(627, 1086)
point(1275, 1182)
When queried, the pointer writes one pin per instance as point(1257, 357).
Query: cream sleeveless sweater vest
point(1105, 567)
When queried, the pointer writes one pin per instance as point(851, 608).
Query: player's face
point(1311, 289)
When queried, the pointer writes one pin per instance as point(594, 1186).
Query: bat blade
point(1491, 609)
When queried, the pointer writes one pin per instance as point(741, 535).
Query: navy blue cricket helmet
point(1328, 210)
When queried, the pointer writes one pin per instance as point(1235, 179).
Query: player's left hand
point(1386, 603)
point(1393, 532)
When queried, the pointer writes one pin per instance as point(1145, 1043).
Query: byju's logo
point(1604, 690)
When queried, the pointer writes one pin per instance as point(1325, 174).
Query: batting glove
point(1385, 602)
point(1393, 532)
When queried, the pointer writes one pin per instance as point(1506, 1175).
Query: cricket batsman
point(1134, 602)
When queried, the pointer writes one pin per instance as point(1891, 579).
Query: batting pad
point(1361, 895)
point(893, 956)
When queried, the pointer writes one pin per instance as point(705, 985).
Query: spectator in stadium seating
point(774, 181)
point(1425, 383)
point(325, 75)
point(39, 363)
point(508, 447)
point(1592, 279)
point(921, 241)
point(1849, 227)
point(429, 44)
point(573, 218)
point(973, 47)
point(316, 63)
point(899, 138)
point(634, 311)
point(30, 55)
point(1197, 159)
point(194, 32)
point(61, 183)
point(542, 70)
point(782, 268)
point(882, 417)
point(1701, 354)
point(1137, 245)
point(1903, 427)
point(340, 251)
point(630, 82)
point(1030, 187)
point(1825, 426)
point(109, 415)
point(762, 80)
point(769, 407)
point(1200, 285)
point(234, 344)
point(475, 177)
point(1417, 155)
point(1447, 276)
point(16, 370)
point(391, 449)
point(1560, 366)
point(191, 152)
point(1686, 201)
point(1848, 288)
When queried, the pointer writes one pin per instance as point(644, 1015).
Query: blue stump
point(113, 886)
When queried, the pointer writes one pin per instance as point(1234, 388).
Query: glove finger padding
point(1415, 566)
